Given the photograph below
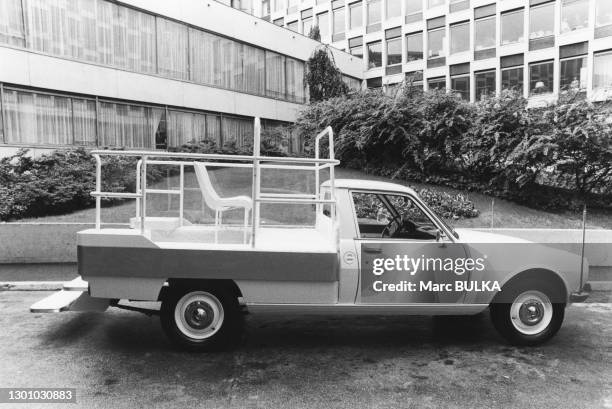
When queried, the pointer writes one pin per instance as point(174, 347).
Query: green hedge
point(556, 157)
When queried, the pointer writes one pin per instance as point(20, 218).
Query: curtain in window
point(11, 23)
point(275, 75)
point(84, 121)
point(237, 130)
point(254, 70)
point(213, 128)
point(184, 127)
point(130, 126)
point(602, 72)
point(172, 48)
point(135, 37)
point(201, 56)
point(37, 118)
point(295, 80)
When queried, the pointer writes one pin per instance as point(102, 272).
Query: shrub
point(552, 157)
point(444, 204)
point(60, 182)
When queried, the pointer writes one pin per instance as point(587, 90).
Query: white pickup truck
point(371, 248)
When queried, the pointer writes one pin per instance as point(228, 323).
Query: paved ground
point(121, 359)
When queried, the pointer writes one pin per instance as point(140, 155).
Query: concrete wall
point(55, 243)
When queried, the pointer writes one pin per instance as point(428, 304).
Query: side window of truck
point(372, 214)
point(391, 216)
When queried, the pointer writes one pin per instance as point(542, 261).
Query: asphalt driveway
point(121, 359)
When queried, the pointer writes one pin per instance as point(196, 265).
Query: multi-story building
point(145, 73)
point(474, 47)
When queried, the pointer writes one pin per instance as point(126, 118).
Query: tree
point(315, 33)
point(323, 78)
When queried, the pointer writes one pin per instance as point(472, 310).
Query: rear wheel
point(528, 312)
point(201, 319)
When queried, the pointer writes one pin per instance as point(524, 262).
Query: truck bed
point(283, 254)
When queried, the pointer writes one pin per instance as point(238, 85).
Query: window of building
point(573, 74)
point(512, 27)
point(275, 75)
point(541, 78)
point(243, 5)
point(512, 78)
point(393, 8)
point(602, 71)
point(294, 72)
point(414, 46)
point(542, 20)
point(11, 23)
point(413, 6)
point(306, 25)
point(460, 37)
point(323, 23)
point(484, 33)
point(355, 15)
point(374, 82)
point(265, 8)
point(374, 54)
point(438, 83)
point(339, 17)
point(277, 5)
point(292, 5)
point(574, 15)
point(356, 47)
point(172, 43)
point(353, 83)
point(603, 13)
point(374, 12)
point(394, 51)
point(435, 43)
point(461, 86)
point(435, 3)
point(485, 84)
point(279, 21)
point(293, 26)
point(414, 79)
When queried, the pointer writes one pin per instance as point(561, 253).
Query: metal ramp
point(73, 297)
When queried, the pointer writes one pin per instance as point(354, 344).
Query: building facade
point(145, 73)
point(473, 47)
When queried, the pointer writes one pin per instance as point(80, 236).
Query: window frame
point(450, 31)
point(501, 28)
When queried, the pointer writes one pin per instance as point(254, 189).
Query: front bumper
point(583, 294)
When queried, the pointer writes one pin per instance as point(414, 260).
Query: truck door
point(405, 257)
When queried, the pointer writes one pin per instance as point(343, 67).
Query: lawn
point(493, 212)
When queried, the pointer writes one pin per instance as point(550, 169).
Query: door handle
point(372, 249)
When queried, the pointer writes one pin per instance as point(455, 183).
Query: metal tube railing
point(256, 162)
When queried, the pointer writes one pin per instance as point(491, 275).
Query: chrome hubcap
point(531, 312)
point(199, 315)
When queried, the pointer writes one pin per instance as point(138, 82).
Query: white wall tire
point(201, 319)
point(525, 313)
point(531, 312)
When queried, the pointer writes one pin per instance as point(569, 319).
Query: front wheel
point(526, 314)
point(203, 319)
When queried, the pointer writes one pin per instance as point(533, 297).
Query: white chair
point(220, 204)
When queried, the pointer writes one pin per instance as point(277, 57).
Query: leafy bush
point(444, 204)
point(60, 182)
point(553, 157)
